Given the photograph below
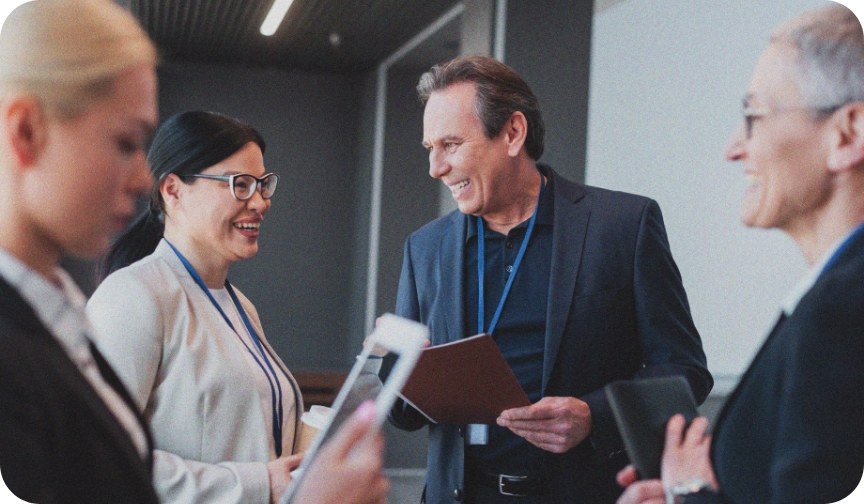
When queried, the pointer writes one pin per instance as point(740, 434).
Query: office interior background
point(638, 95)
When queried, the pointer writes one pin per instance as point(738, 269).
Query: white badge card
point(478, 434)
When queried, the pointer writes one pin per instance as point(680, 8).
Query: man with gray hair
point(792, 430)
point(592, 296)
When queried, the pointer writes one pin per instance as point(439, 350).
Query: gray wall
point(666, 87)
point(301, 279)
point(549, 44)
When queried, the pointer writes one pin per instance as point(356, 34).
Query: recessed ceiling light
point(275, 16)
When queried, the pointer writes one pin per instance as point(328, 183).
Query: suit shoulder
point(436, 228)
point(616, 199)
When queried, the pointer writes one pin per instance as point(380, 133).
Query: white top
point(188, 372)
point(61, 311)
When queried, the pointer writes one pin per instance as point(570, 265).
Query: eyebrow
point(445, 138)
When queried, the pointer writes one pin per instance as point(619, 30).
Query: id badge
point(478, 434)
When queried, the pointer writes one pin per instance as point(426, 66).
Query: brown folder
point(464, 382)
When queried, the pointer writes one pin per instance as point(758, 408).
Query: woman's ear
point(24, 125)
point(171, 188)
point(847, 149)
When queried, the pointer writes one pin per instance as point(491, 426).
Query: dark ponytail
point(186, 144)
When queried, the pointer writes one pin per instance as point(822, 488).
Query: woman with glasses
point(189, 346)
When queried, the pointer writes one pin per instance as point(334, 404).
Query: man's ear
point(515, 133)
point(170, 188)
point(847, 144)
point(24, 125)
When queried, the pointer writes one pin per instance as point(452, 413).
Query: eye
point(129, 146)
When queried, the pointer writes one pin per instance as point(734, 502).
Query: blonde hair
point(66, 53)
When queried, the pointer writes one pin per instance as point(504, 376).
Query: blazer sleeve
point(403, 415)
point(130, 329)
point(669, 341)
point(178, 480)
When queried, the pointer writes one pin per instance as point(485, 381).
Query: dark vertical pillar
point(549, 44)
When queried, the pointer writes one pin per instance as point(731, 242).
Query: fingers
point(644, 492)
point(294, 461)
point(674, 431)
point(541, 410)
point(627, 476)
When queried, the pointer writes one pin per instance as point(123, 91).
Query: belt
point(518, 486)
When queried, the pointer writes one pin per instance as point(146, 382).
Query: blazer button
point(457, 494)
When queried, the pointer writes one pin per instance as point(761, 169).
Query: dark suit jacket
point(617, 311)
point(793, 430)
point(59, 443)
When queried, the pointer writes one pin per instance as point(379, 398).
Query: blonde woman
point(77, 107)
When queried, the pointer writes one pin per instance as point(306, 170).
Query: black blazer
point(59, 443)
point(617, 311)
point(793, 429)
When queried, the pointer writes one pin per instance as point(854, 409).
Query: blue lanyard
point(272, 377)
point(843, 247)
point(481, 267)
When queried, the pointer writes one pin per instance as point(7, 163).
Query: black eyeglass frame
point(257, 184)
point(751, 113)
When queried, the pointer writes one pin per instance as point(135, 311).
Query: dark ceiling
point(227, 31)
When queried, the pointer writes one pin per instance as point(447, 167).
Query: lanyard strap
point(278, 417)
point(481, 267)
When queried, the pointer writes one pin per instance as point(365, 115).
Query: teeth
point(459, 186)
point(248, 225)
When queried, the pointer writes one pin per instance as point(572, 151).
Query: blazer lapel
point(452, 250)
point(568, 239)
point(14, 308)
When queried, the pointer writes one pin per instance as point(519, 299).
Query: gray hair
point(830, 46)
point(67, 53)
point(500, 92)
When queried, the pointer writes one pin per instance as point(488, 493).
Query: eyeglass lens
point(245, 185)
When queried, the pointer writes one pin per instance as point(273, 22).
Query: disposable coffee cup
point(311, 423)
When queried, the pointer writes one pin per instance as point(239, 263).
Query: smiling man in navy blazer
point(579, 289)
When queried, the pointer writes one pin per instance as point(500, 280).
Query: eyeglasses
point(243, 185)
point(751, 113)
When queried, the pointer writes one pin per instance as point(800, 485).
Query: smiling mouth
point(455, 188)
point(248, 226)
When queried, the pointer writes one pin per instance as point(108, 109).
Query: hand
point(348, 468)
point(687, 455)
point(279, 471)
point(639, 492)
point(381, 351)
point(555, 424)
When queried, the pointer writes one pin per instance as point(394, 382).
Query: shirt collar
point(52, 304)
point(790, 302)
point(545, 213)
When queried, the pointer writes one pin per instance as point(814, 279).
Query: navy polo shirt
point(521, 329)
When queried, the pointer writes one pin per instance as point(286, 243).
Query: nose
point(735, 149)
point(257, 202)
point(141, 178)
point(438, 167)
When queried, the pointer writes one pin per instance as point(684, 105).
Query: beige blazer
point(185, 369)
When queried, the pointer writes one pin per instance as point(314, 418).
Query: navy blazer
point(793, 430)
point(617, 311)
point(59, 443)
